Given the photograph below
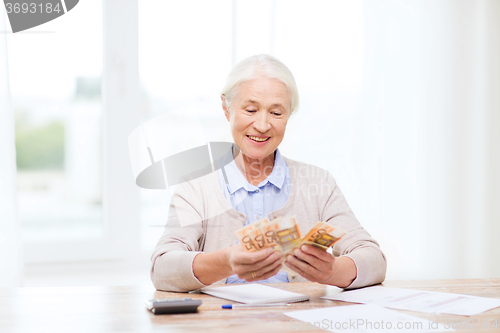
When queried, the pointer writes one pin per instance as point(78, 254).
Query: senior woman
point(258, 99)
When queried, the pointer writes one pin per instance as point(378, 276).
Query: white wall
point(422, 170)
point(458, 81)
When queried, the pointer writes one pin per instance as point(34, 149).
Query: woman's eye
point(277, 113)
point(251, 111)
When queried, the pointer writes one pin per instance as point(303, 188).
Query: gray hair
point(255, 66)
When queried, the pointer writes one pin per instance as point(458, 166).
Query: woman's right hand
point(254, 266)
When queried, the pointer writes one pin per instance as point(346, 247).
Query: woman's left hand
point(318, 265)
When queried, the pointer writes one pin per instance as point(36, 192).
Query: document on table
point(253, 293)
point(419, 300)
point(365, 318)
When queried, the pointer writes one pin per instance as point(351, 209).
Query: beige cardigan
point(201, 220)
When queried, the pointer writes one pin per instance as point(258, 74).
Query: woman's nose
point(261, 122)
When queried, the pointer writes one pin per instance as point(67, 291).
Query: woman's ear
point(224, 106)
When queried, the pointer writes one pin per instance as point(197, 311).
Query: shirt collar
point(236, 180)
point(277, 176)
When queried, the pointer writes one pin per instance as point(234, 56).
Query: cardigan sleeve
point(357, 244)
point(172, 259)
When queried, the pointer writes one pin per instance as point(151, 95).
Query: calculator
point(172, 305)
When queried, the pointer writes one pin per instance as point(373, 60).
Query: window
point(55, 79)
point(69, 136)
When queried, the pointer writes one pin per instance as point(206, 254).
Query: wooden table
point(122, 309)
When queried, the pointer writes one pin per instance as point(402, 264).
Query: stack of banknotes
point(283, 234)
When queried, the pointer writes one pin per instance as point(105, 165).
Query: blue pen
point(237, 306)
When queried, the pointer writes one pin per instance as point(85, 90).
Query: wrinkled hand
point(312, 263)
point(263, 264)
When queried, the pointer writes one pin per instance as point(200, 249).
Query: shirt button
point(258, 216)
point(257, 191)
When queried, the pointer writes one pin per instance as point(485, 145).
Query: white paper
point(364, 318)
point(419, 300)
point(254, 293)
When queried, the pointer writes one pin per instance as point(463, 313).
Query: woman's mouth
point(258, 139)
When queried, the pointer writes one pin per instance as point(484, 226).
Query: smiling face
point(258, 115)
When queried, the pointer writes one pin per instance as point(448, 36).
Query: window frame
point(121, 100)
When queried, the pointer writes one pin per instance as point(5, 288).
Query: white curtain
point(10, 262)
point(416, 148)
point(431, 110)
